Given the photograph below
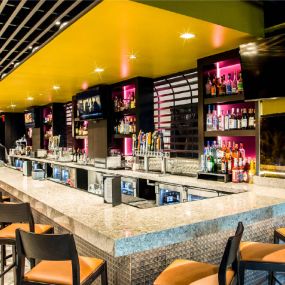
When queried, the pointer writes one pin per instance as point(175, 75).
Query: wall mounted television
point(262, 64)
point(29, 118)
point(272, 147)
point(91, 104)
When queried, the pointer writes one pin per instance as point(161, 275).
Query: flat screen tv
point(29, 118)
point(91, 104)
point(263, 63)
point(272, 138)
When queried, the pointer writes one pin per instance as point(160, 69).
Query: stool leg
point(241, 274)
point(104, 278)
point(4, 253)
point(14, 260)
point(2, 263)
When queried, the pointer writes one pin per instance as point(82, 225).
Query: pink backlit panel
point(128, 146)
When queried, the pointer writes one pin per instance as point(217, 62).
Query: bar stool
point(59, 261)
point(16, 216)
point(188, 272)
point(262, 256)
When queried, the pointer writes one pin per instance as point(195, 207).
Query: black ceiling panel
point(29, 24)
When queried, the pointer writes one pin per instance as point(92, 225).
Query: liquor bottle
point(219, 87)
point(242, 151)
point(240, 84)
point(208, 86)
point(213, 87)
point(224, 165)
point(251, 119)
point(235, 171)
point(229, 85)
point(227, 120)
point(245, 171)
point(209, 120)
point(229, 158)
point(254, 118)
point(223, 83)
point(241, 170)
point(222, 121)
point(215, 121)
point(238, 119)
point(234, 84)
point(133, 101)
point(251, 172)
point(232, 120)
point(244, 120)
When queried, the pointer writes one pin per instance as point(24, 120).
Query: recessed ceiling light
point(3, 75)
point(63, 25)
point(187, 36)
point(57, 23)
point(30, 98)
point(30, 47)
point(55, 87)
point(12, 105)
point(35, 48)
point(99, 69)
point(132, 56)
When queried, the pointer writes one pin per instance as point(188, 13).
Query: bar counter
point(131, 235)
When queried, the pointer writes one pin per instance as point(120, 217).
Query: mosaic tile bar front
point(142, 268)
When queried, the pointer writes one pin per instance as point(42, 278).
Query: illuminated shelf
point(230, 133)
point(81, 137)
point(224, 99)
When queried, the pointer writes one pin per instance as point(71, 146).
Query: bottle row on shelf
point(126, 126)
point(123, 104)
point(229, 159)
point(148, 142)
point(221, 86)
point(237, 119)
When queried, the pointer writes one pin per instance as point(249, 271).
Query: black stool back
point(231, 254)
point(17, 213)
point(46, 247)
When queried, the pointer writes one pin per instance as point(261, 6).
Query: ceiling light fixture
point(12, 105)
point(99, 69)
point(132, 56)
point(30, 98)
point(3, 75)
point(63, 25)
point(55, 87)
point(57, 23)
point(187, 36)
point(30, 47)
point(35, 48)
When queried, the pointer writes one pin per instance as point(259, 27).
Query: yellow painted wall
point(273, 106)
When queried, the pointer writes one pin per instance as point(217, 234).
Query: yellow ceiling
point(105, 37)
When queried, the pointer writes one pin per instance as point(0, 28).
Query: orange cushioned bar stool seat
point(59, 262)
point(60, 272)
point(9, 232)
point(15, 216)
point(189, 272)
point(261, 256)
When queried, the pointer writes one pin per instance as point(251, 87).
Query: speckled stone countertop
point(124, 230)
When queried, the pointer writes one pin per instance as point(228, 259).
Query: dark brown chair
point(15, 216)
point(264, 257)
point(188, 272)
point(59, 262)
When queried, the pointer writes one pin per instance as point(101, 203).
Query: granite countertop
point(124, 230)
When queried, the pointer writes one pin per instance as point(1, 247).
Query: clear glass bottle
point(209, 120)
point(234, 84)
